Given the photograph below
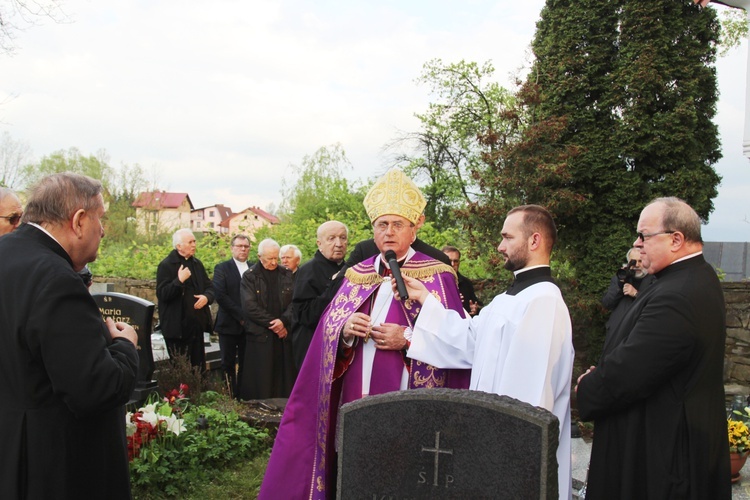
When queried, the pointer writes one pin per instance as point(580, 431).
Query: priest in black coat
point(65, 374)
point(314, 286)
point(657, 395)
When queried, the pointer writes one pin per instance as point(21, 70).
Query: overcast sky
point(221, 97)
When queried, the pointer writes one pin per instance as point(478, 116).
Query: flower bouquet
point(156, 420)
point(739, 440)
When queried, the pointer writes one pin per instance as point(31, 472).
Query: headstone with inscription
point(138, 313)
point(446, 443)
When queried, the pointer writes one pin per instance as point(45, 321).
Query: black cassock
point(657, 395)
point(63, 383)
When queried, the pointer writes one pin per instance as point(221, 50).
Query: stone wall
point(737, 349)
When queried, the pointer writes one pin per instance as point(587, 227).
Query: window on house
point(210, 213)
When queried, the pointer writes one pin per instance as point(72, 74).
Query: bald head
point(333, 237)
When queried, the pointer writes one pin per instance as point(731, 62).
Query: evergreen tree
point(635, 84)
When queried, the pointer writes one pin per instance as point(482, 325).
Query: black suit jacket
point(227, 294)
point(657, 395)
point(63, 381)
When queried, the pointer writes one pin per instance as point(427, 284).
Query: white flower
point(150, 417)
point(175, 425)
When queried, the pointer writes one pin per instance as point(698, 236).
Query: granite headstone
point(445, 443)
point(138, 313)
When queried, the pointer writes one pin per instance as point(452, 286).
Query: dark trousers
point(233, 359)
point(192, 348)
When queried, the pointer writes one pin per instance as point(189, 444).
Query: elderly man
point(358, 347)
point(66, 374)
point(10, 211)
point(311, 294)
point(266, 293)
point(657, 395)
point(184, 292)
point(521, 345)
point(230, 318)
point(290, 257)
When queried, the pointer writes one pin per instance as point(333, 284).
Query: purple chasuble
point(304, 450)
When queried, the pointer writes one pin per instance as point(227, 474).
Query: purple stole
point(299, 466)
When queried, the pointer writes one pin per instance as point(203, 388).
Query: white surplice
point(519, 346)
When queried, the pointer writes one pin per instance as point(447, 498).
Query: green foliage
point(447, 151)
point(140, 260)
point(734, 29)
point(634, 84)
point(173, 466)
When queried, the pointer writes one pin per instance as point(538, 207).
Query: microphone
point(390, 257)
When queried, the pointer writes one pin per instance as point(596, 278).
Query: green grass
point(238, 482)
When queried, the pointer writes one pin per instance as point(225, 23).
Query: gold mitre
point(395, 194)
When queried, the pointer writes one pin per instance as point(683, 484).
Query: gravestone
point(138, 313)
point(446, 443)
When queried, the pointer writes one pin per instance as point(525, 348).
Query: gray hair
point(239, 237)
point(266, 244)
point(679, 216)
point(286, 248)
point(55, 198)
point(177, 236)
point(321, 227)
point(5, 192)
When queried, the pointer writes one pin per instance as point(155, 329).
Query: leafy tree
point(319, 192)
point(95, 166)
point(734, 29)
point(447, 150)
point(635, 85)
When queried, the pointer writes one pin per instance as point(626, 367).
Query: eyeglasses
point(12, 218)
point(644, 237)
point(397, 226)
point(242, 246)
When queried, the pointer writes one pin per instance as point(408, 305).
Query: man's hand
point(183, 273)
point(201, 302)
point(121, 330)
point(389, 337)
point(414, 288)
point(282, 333)
point(473, 308)
point(358, 325)
point(591, 369)
point(276, 326)
point(629, 290)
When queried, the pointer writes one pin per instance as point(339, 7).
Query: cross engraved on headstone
point(437, 451)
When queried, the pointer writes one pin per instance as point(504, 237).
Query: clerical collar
point(523, 274)
point(528, 277)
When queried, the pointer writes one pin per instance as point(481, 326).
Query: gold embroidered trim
point(362, 275)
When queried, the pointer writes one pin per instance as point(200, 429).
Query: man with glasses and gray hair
point(359, 346)
point(10, 211)
point(66, 373)
point(657, 395)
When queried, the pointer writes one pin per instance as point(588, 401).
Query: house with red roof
point(248, 221)
point(209, 219)
point(162, 212)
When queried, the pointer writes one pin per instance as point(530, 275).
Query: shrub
point(211, 441)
